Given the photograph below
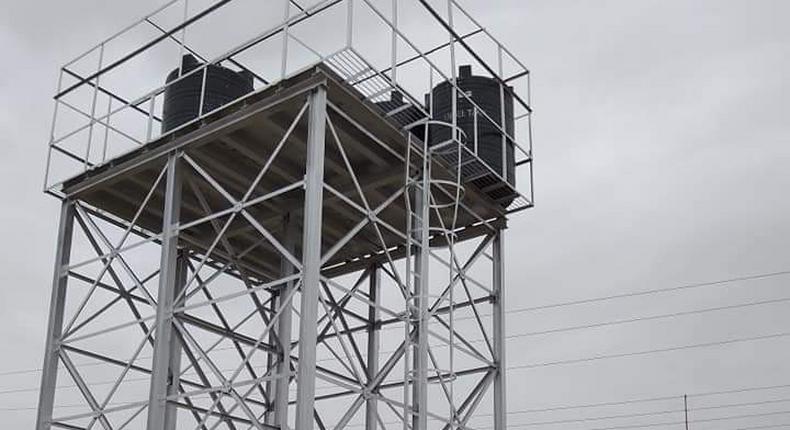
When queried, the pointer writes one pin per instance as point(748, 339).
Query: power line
point(697, 421)
point(654, 399)
point(650, 351)
point(585, 301)
point(650, 292)
point(655, 413)
point(535, 365)
point(653, 317)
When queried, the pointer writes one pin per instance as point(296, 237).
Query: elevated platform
point(229, 150)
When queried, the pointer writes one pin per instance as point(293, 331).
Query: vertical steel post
point(49, 376)
point(311, 260)
point(374, 338)
point(500, 388)
point(421, 288)
point(283, 327)
point(175, 347)
point(161, 375)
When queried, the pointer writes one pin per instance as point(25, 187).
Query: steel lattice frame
point(254, 393)
point(350, 317)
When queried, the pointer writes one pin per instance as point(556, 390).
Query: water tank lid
point(465, 71)
point(188, 62)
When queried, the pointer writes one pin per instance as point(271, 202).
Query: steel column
point(421, 299)
point(175, 347)
point(161, 375)
point(500, 388)
point(374, 345)
point(311, 259)
point(283, 327)
point(49, 376)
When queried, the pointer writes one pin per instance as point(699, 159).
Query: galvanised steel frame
point(295, 287)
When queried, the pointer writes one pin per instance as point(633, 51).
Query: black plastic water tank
point(403, 115)
point(485, 92)
point(182, 98)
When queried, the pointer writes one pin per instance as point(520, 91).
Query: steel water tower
point(285, 214)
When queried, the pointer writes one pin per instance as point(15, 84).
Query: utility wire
point(697, 421)
point(526, 366)
point(654, 399)
point(650, 351)
point(584, 301)
point(650, 292)
point(653, 317)
point(649, 414)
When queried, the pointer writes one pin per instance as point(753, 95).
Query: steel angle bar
point(470, 351)
point(443, 381)
point(479, 250)
point(472, 401)
point(83, 217)
point(337, 358)
point(223, 320)
point(120, 250)
point(478, 320)
point(375, 223)
point(259, 341)
point(224, 268)
point(119, 380)
point(227, 387)
point(107, 411)
point(353, 174)
point(337, 109)
point(232, 296)
point(351, 358)
point(121, 296)
point(202, 377)
point(238, 384)
point(361, 298)
point(340, 310)
point(370, 217)
point(233, 259)
point(347, 297)
point(108, 258)
point(84, 390)
point(252, 202)
point(468, 344)
point(414, 413)
point(137, 321)
point(463, 277)
point(386, 369)
point(265, 233)
point(220, 340)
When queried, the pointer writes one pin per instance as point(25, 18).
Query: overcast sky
point(662, 145)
